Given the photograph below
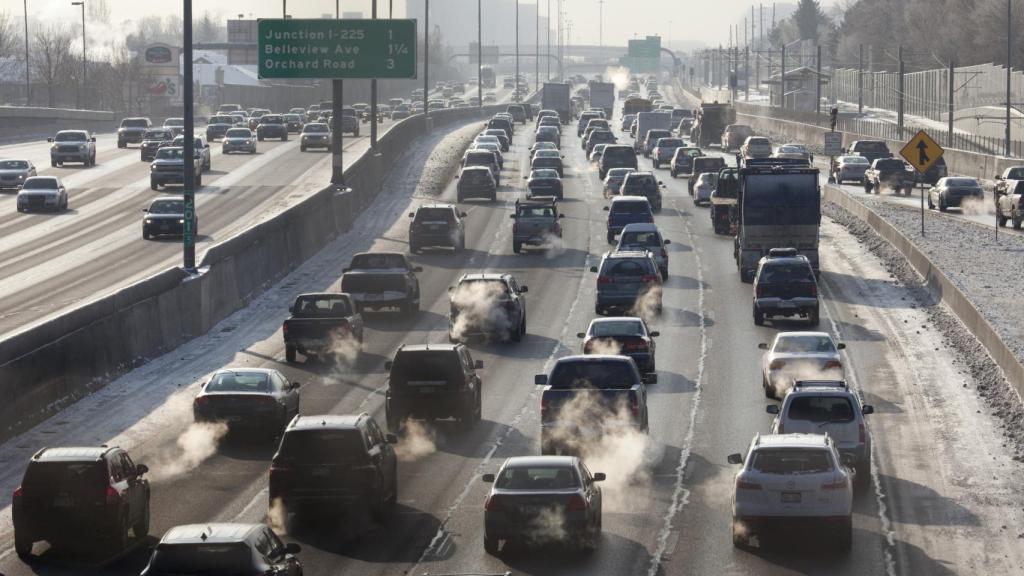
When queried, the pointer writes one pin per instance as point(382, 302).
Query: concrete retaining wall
point(51, 365)
point(19, 121)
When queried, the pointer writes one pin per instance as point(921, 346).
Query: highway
point(943, 490)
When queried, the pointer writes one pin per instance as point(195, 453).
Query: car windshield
point(239, 382)
point(790, 150)
point(315, 128)
point(790, 461)
point(319, 447)
point(821, 409)
point(544, 174)
point(435, 215)
point(174, 122)
point(854, 160)
point(167, 207)
point(630, 207)
point(201, 559)
point(13, 165)
point(645, 239)
point(538, 478)
point(134, 123)
point(70, 137)
point(321, 306)
point(40, 184)
point(804, 343)
point(617, 328)
point(611, 375)
point(239, 133)
point(170, 154)
point(786, 273)
point(638, 183)
point(268, 119)
point(670, 143)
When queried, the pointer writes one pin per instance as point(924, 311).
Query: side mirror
point(388, 364)
point(93, 139)
point(391, 438)
point(655, 334)
point(581, 334)
point(540, 379)
point(291, 308)
point(456, 176)
point(606, 208)
point(593, 269)
point(996, 177)
point(526, 177)
point(867, 409)
point(599, 477)
point(295, 385)
point(417, 268)
point(49, 139)
point(735, 459)
point(772, 409)
point(489, 478)
point(478, 364)
point(412, 214)
point(667, 242)
point(141, 469)
point(292, 548)
point(462, 214)
point(560, 216)
point(763, 345)
point(524, 289)
point(145, 209)
point(512, 216)
point(650, 378)
point(841, 346)
point(849, 460)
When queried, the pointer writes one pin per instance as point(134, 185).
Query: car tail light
point(515, 227)
point(18, 492)
point(635, 407)
point(576, 503)
point(814, 289)
point(782, 428)
point(635, 346)
point(839, 484)
point(747, 485)
point(543, 408)
point(759, 291)
point(280, 472)
point(201, 401)
point(604, 280)
point(649, 278)
point(833, 364)
point(862, 432)
point(776, 364)
point(494, 503)
point(284, 328)
point(113, 496)
point(664, 253)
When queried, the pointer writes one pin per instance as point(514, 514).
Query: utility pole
point(746, 74)
point(479, 54)
point(860, 82)
point(949, 137)
point(28, 83)
point(373, 93)
point(600, 23)
point(817, 84)
point(782, 76)
point(337, 124)
point(899, 95)
point(426, 64)
point(188, 235)
point(516, 82)
point(536, 47)
point(548, 32)
point(1009, 63)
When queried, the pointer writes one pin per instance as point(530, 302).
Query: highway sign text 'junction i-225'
point(325, 48)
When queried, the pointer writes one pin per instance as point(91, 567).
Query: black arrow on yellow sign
point(922, 153)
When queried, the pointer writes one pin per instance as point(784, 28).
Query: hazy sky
point(705, 21)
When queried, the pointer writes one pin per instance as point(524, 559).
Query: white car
point(238, 140)
point(828, 407)
point(796, 356)
point(595, 154)
point(787, 479)
point(705, 185)
point(42, 193)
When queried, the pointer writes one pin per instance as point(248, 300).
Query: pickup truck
point(1002, 181)
point(891, 173)
point(169, 167)
point(588, 397)
point(1008, 193)
point(379, 280)
point(536, 223)
point(870, 149)
point(320, 324)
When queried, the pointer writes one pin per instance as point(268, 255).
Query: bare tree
point(10, 39)
point(52, 59)
point(99, 11)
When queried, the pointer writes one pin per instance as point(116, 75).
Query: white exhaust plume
point(554, 246)
point(479, 306)
point(548, 526)
point(197, 443)
point(648, 304)
point(618, 75)
point(344, 348)
point(277, 517)
point(977, 207)
point(795, 371)
point(605, 346)
point(416, 441)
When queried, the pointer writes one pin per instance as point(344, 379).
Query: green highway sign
point(326, 48)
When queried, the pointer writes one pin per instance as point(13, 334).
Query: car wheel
point(289, 354)
point(260, 138)
point(758, 317)
point(302, 148)
point(22, 546)
point(393, 419)
point(931, 205)
point(862, 479)
point(141, 528)
point(154, 185)
point(517, 336)
point(656, 164)
point(119, 540)
point(517, 247)
point(768, 391)
point(1002, 220)
point(199, 181)
point(53, 163)
point(207, 166)
point(611, 237)
point(145, 235)
point(491, 545)
point(942, 204)
point(815, 317)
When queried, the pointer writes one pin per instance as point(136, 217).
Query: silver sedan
point(795, 356)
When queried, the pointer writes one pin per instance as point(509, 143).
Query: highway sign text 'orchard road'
point(325, 48)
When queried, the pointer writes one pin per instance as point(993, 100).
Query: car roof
point(629, 199)
point(442, 347)
point(71, 454)
point(166, 198)
point(628, 254)
point(640, 227)
point(484, 276)
point(435, 205)
point(212, 533)
point(803, 333)
point(792, 441)
point(254, 370)
point(594, 358)
point(326, 421)
point(616, 319)
point(524, 461)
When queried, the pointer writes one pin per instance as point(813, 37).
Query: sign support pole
point(922, 204)
point(188, 162)
point(373, 97)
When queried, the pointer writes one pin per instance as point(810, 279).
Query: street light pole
point(1009, 62)
point(28, 83)
point(373, 94)
point(515, 91)
point(479, 55)
point(188, 161)
point(548, 34)
point(536, 47)
point(426, 64)
point(81, 84)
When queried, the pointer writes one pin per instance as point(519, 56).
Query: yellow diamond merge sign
point(922, 151)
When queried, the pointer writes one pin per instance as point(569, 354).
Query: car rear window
point(202, 559)
point(536, 212)
point(329, 446)
point(239, 382)
point(820, 409)
point(167, 207)
point(48, 476)
point(134, 123)
point(378, 261)
point(670, 143)
point(797, 344)
point(889, 164)
point(170, 153)
point(639, 183)
point(790, 461)
point(37, 183)
point(434, 215)
point(871, 147)
point(617, 328)
point(854, 160)
point(412, 368)
point(786, 273)
point(961, 182)
point(646, 239)
point(626, 267)
point(537, 478)
point(605, 375)
point(322, 306)
point(630, 207)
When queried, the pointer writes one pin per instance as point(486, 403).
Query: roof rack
point(822, 383)
point(782, 252)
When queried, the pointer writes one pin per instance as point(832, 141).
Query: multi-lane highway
point(944, 494)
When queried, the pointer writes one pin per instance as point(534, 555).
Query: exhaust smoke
point(795, 371)
point(648, 304)
point(197, 443)
point(608, 346)
point(415, 442)
point(479, 306)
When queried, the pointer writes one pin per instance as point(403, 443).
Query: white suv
point(828, 407)
point(789, 480)
point(796, 356)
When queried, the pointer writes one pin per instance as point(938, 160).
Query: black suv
point(785, 286)
point(487, 305)
point(72, 494)
point(437, 225)
point(644, 184)
point(616, 156)
point(330, 463)
point(433, 381)
point(272, 126)
point(476, 182)
point(216, 548)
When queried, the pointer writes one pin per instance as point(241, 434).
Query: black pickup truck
point(322, 324)
point(377, 280)
point(888, 173)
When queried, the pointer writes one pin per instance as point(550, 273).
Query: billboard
point(160, 56)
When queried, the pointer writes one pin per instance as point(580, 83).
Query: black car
point(548, 134)
point(293, 122)
point(132, 130)
point(489, 305)
point(222, 548)
point(75, 494)
point(616, 156)
point(152, 141)
point(544, 183)
point(436, 225)
point(433, 381)
point(599, 137)
point(785, 286)
point(625, 335)
point(548, 159)
point(502, 124)
point(644, 184)
point(256, 399)
point(272, 126)
point(476, 182)
point(166, 217)
point(329, 464)
point(218, 126)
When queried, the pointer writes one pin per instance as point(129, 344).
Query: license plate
point(62, 501)
point(320, 472)
point(791, 497)
point(786, 305)
point(530, 509)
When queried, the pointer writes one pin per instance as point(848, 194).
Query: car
point(953, 192)
point(436, 225)
point(585, 119)
point(682, 161)
point(502, 123)
point(165, 216)
point(489, 305)
point(501, 135)
point(228, 108)
point(544, 183)
point(613, 181)
point(331, 464)
point(492, 147)
point(199, 145)
point(547, 159)
point(701, 165)
point(272, 126)
point(152, 141)
point(626, 210)
point(551, 121)
point(795, 152)
point(756, 147)
point(828, 406)
point(400, 112)
point(849, 167)
point(238, 140)
point(799, 355)
point(624, 335)
point(517, 112)
point(487, 139)
point(293, 123)
point(476, 182)
point(784, 285)
point(377, 280)
point(175, 125)
point(324, 325)
point(217, 126)
point(628, 282)
point(239, 119)
point(73, 146)
point(526, 488)
point(300, 111)
point(253, 399)
point(616, 156)
point(219, 547)
point(349, 121)
point(433, 381)
point(536, 223)
point(315, 135)
point(14, 172)
point(483, 157)
point(649, 140)
point(42, 193)
point(256, 114)
point(547, 113)
point(644, 184)
point(647, 237)
point(735, 135)
point(489, 98)
point(548, 134)
point(131, 131)
point(627, 121)
point(664, 150)
point(75, 495)
point(599, 136)
point(595, 154)
point(786, 480)
point(705, 185)
point(169, 167)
